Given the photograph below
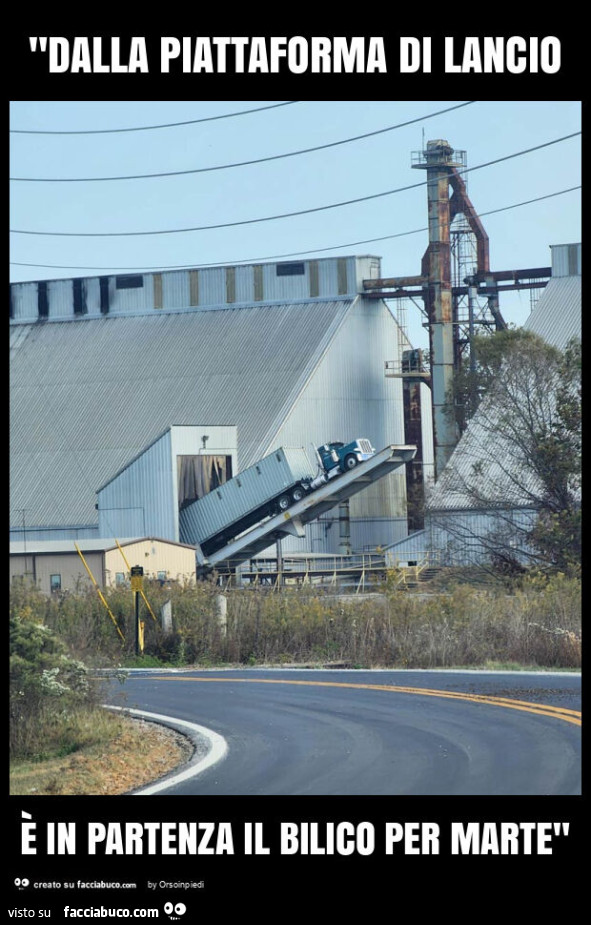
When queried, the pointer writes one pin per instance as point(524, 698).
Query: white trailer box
point(249, 494)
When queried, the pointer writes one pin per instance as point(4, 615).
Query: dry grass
point(135, 753)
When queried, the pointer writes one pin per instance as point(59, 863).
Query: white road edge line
point(218, 749)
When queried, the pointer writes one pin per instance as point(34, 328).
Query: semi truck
point(266, 488)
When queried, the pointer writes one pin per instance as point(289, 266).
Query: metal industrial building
point(121, 385)
point(455, 531)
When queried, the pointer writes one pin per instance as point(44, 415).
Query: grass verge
point(120, 755)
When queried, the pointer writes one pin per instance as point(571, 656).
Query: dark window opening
point(104, 294)
point(55, 582)
point(290, 269)
point(198, 475)
point(79, 293)
point(129, 282)
point(42, 300)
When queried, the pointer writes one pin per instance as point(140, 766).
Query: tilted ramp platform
point(293, 521)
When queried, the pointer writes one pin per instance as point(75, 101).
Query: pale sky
point(485, 130)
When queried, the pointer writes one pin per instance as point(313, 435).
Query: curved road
point(293, 732)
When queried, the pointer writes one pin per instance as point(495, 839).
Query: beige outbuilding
point(56, 565)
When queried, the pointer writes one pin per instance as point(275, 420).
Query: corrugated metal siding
point(53, 532)
point(93, 297)
point(88, 396)
point(282, 288)
point(557, 316)
point(157, 279)
point(61, 298)
point(459, 538)
point(212, 286)
point(194, 287)
point(566, 260)
point(244, 284)
point(126, 301)
point(24, 301)
point(258, 294)
point(17, 336)
point(175, 290)
point(410, 549)
point(208, 287)
point(140, 500)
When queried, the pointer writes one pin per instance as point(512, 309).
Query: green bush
point(48, 689)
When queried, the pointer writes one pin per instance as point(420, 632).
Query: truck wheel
point(350, 462)
point(283, 502)
point(297, 493)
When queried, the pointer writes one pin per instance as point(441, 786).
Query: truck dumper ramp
point(292, 521)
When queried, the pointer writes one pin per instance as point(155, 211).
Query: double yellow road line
point(540, 709)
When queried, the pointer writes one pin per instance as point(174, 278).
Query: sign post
point(137, 585)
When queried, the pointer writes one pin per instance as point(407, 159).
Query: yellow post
point(98, 590)
point(141, 590)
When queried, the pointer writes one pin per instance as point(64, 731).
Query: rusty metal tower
point(452, 306)
point(439, 160)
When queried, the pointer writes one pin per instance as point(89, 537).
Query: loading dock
point(293, 521)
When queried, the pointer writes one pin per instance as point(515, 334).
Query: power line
point(316, 250)
point(268, 218)
point(149, 128)
point(260, 160)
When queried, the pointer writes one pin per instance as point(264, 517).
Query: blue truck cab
point(345, 456)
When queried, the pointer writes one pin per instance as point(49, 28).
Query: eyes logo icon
point(178, 910)
point(21, 883)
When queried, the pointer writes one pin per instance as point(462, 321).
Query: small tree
point(522, 449)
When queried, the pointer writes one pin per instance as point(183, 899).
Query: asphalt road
point(304, 732)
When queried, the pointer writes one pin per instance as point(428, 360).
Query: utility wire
point(268, 218)
point(149, 128)
point(259, 160)
point(316, 250)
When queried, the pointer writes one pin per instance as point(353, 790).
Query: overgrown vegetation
point(535, 621)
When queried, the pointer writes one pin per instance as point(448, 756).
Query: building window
point(290, 269)
point(104, 294)
point(129, 282)
point(79, 293)
point(55, 582)
point(42, 300)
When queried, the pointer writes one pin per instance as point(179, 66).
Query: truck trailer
point(267, 488)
